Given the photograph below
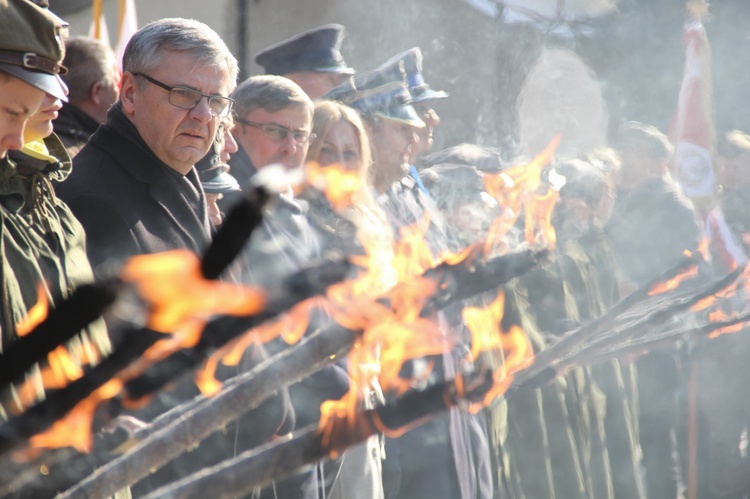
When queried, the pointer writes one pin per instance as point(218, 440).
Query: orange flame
point(538, 222)
point(74, 430)
point(674, 282)
point(517, 187)
point(36, 314)
point(60, 371)
point(206, 380)
point(336, 182)
point(703, 246)
point(290, 326)
point(728, 329)
point(487, 336)
point(393, 331)
point(181, 301)
point(412, 256)
point(703, 304)
point(172, 284)
point(61, 367)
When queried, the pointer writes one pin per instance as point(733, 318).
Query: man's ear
point(128, 93)
point(94, 93)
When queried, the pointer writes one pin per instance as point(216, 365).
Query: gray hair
point(146, 50)
point(270, 93)
point(89, 61)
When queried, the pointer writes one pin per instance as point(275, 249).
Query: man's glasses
point(187, 98)
point(278, 132)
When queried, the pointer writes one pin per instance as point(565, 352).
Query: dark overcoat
point(128, 201)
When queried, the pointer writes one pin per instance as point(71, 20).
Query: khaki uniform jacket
point(42, 247)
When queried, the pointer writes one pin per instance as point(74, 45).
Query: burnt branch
point(640, 346)
point(90, 301)
point(574, 339)
point(234, 232)
point(85, 305)
point(179, 429)
point(41, 416)
point(259, 466)
point(581, 340)
point(457, 282)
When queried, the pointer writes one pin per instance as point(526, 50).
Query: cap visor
point(47, 83)
point(404, 114)
point(430, 94)
point(221, 183)
point(335, 69)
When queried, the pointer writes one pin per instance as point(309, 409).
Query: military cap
point(31, 46)
point(353, 88)
point(391, 101)
point(412, 63)
point(314, 50)
point(217, 179)
point(486, 159)
point(213, 172)
point(381, 91)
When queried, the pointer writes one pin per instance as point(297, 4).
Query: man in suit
point(134, 187)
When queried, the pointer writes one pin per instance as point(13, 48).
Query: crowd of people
point(98, 165)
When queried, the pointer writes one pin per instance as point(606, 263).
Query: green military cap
point(31, 45)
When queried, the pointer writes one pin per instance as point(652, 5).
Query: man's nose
point(289, 145)
point(202, 112)
point(230, 145)
point(412, 136)
point(13, 139)
point(431, 118)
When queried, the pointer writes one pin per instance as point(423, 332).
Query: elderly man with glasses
point(133, 186)
point(272, 123)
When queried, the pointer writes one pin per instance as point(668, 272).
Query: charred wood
point(179, 429)
point(89, 302)
point(85, 305)
point(41, 416)
point(259, 466)
point(573, 347)
point(640, 346)
point(234, 232)
point(574, 339)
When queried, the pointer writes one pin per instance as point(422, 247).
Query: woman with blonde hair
point(357, 227)
point(341, 139)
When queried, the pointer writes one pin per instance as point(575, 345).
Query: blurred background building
point(517, 70)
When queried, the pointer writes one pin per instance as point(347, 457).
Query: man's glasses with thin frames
point(188, 98)
point(278, 132)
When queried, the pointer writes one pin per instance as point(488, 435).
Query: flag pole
point(696, 11)
point(120, 17)
point(96, 8)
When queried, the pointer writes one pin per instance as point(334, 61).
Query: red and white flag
point(692, 130)
point(126, 29)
